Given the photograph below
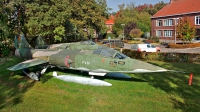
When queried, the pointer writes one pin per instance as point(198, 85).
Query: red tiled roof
point(179, 7)
point(111, 17)
point(110, 20)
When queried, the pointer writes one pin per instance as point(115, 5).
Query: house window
point(167, 33)
point(197, 20)
point(159, 23)
point(168, 22)
point(158, 33)
point(176, 20)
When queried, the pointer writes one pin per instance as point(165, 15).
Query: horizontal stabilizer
point(27, 64)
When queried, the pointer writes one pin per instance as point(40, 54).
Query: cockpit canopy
point(110, 53)
point(93, 44)
point(88, 42)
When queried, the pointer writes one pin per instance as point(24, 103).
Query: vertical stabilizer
point(23, 49)
point(40, 44)
point(21, 42)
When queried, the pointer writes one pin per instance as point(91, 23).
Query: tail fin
point(21, 42)
point(23, 49)
point(40, 44)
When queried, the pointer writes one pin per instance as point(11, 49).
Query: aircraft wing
point(119, 74)
point(27, 64)
point(125, 71)
point(144, 71)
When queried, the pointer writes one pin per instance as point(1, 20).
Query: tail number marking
point(85, 63)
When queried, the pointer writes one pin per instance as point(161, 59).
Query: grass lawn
point(152, 92)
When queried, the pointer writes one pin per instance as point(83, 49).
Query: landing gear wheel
point(38, 78)
point(38, 74)
point(92, 77)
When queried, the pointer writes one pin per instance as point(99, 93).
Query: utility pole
point(123, 25)
point(175, 30)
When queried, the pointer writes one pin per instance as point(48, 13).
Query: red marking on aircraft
point(66, 61)
point(19, 38)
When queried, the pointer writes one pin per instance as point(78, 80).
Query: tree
point(134, 33)
point(53, 18)
point(143, 22)
point(59, 33)
point(130, 15)
point(149, 8)
point(45, 18)
point(156, 8)
point(185, 29)
point(75, 17)
point(144, 8)
point(130, 26)
point(4, 30)
point(15, 12)
point(159, 6)
point(88, 16)
point(125, 16)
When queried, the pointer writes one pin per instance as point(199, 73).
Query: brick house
point(109, 23)
point(163, 22)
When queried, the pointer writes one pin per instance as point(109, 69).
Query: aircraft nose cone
point(144, 67)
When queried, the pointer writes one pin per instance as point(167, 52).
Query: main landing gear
point(35, 75)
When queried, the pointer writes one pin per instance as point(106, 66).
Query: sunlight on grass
point(152, 92)
point(173, 85)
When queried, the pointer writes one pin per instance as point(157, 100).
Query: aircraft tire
point(38, 74)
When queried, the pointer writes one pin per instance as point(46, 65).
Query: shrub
point(134, 33)
point(191, 45)
point(149, 41)
point(111, 35)
point(4, 49)
point(159, 56)
point(153, 39)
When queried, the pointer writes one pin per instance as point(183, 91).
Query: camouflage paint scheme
point(84, 45)
point(96, 62)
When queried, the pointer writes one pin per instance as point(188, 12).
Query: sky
point(114, 3)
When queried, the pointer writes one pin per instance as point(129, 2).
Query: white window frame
point(197, 20)
point(176, 20)
point(158, 33)
point(158, 22)
point(168, 22)
point(168, 33)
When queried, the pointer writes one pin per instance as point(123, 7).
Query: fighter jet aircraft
point(96, 62)
point(83, 45)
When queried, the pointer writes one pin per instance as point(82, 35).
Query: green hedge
point(180, 46)
point(159, 56)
